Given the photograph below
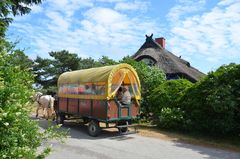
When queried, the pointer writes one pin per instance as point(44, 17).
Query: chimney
point(161, 41)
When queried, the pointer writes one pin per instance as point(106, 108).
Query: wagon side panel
point(85, 107)
point(112, 110)
point(62, 104)
point(135, 109)
point(73, 106)
point(99, 109)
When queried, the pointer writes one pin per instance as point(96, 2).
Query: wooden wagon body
point(90, 94)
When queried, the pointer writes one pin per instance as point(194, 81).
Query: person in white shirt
point(126, 98)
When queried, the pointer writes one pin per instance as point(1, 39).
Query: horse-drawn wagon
point(90, 94)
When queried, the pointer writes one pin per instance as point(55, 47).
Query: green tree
point(43, 72)
point(105, 61)
point(150, 78)
point(21, 60)
point(86, 63)
point(64, 61)
point(48, 70)
point(13, 7)
point(90, 63)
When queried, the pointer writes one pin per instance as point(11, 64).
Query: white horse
point(46, 102)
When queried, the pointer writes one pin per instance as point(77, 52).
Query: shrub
point(168, 94)
point(171, 118)
point(165, 102)
point(213, 104)
point(19, 135)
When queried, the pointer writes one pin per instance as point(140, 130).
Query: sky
point(204, 32)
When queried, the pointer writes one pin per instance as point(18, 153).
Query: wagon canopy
point(99, 83)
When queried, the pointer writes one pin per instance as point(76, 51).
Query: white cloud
point(132, 6)
point(92, 31)
point(104, 16)
point(213, 34)
point(68, 7)
point(57, 21)
point(226, 2)
point(111, 1)
point(36, 9)
point(114, 31)
point(185, 7)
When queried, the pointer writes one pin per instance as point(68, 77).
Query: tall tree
point(105, 61)
point(86, 63)
point(90, 62)
point(64, 61)
point(48, 70)
point(42, 71)
point(13, 7)
point(21, 60)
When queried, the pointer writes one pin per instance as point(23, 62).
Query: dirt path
point(150, 131)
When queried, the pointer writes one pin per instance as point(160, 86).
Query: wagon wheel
point(60, 119)
point(122, 129)
point(94, 128)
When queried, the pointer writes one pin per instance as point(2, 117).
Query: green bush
point(171, 118)
point(168, 94)
point(19, 135)
point(165, 102)
point(213, 104)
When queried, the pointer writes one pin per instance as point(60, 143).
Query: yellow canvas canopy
point(99, 83)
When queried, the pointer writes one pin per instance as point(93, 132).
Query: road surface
point(111, 145)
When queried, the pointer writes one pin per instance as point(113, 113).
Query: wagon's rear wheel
point(123, 130)
point(60, 118)
point(93, 128)
point(123, 127)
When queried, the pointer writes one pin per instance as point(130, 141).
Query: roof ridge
point(166, 60)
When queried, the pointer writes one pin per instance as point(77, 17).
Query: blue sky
point(204, 32)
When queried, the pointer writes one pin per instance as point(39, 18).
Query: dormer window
point(148, 61)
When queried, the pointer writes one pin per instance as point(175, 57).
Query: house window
point(148, 61)
point(172, 77)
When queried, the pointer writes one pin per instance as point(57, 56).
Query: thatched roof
point(167, 61)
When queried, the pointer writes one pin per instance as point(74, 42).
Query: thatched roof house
point(153, 52)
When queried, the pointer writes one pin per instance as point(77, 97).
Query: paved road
point(111, 145)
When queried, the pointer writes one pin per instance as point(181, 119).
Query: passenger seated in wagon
point(126, 97)
point(123, 95)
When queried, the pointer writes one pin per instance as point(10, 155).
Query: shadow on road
point(79, 130)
